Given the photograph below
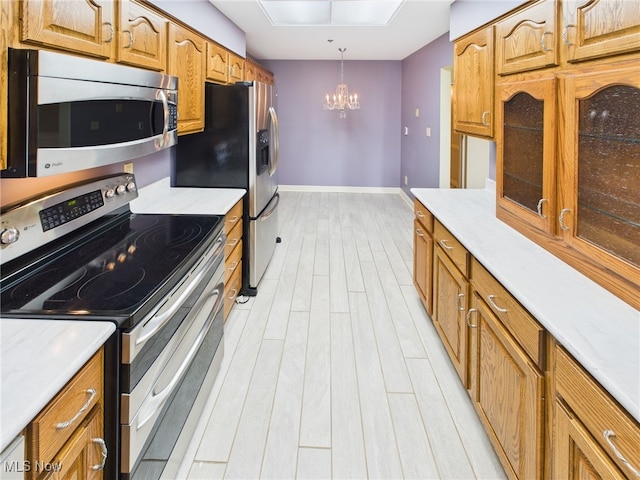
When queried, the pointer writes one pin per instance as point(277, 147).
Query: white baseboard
point(338, 189)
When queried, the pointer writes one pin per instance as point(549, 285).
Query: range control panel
point(30, 225)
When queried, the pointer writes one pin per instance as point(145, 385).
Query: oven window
point(97, 122)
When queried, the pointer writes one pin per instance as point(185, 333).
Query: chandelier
point(341, 100)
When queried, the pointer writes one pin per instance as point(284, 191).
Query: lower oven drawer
point(154, 413)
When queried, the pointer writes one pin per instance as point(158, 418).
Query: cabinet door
point(574, 454)
point(526, 143)
point(217, 63)
point(450, 306)
point(249, 72)
point(236, 68)
point(423, 265)
point(142, 37)
point(600, 28)
point(83, 26)
point(527, 39)
point(507, 391)
point(473, 84)
point(187, 52)
point(600, 212)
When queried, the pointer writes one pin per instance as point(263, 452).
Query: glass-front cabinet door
point(526, 140)
point(600, 210)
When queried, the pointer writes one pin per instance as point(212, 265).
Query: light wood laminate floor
point(334, 369)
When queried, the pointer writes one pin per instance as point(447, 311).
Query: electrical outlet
point(128, 167)
point(417, 112)
point(406, 180)
point(428, 132)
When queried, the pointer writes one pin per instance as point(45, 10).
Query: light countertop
point(37, 359)
point(601, 331)
point(161, 197)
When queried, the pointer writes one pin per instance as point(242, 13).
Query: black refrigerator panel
point(217, 157)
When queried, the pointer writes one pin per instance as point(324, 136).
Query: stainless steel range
point(81, 254)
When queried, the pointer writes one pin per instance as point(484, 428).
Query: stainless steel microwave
point(67, 113)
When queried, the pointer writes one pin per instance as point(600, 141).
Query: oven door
point(159, 415)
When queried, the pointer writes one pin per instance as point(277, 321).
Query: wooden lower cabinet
point(593, 436)
point(575, 454)
point(451, 291)
point(66, 439)
point(423, 255)
point(507, 391)
point(233, 229)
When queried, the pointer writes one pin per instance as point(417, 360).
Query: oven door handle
point(159, 321)
point(156, 400)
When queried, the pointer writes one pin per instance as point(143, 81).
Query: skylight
point(330, 12)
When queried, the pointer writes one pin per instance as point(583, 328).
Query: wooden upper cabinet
point(526, 151)
point(236, 68)
point(600, 28)
point(600, 159)
point(527, 39)
point(217, 63)
point(82, 26)
point(187, 60)
point(473, 84)
point(249, 71)
point(142, 37)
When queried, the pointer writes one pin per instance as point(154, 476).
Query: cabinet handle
point(104, 452)
point(543, 44)
point(443, 242)
point(419, 232)
point(130, 38)
point(471, 310)
point(491, 299)
point(419, 214)
point(92, 394)
point(458, 305)
point(232, 293)
point(540, 202)
point(563, 212)
point(233, 242)
point(483, 119)
point(110, 39)
point(608, 435)
point(232, 266)
point(233, 219)
point(565, 34)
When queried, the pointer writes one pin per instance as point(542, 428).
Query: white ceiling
point(415, 24)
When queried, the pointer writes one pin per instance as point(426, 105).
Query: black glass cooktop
point(115, 273)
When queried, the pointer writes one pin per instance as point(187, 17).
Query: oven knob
point(109, 193)
point(9, 235)
point(131, 187)
point(120, 189)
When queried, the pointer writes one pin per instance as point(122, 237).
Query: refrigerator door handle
point(274, 141)
point(266, 215)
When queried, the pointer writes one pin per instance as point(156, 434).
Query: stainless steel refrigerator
point(238, 149)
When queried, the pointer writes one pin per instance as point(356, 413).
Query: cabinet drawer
point(452, 247)
point(524, 328)
point(232, 289)
point(234, 237)
point(598, 412)
point(233, 217)
point(423, 215)
point(56, 423)
point(232, 262)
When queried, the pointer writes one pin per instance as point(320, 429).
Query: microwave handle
point(165, 109)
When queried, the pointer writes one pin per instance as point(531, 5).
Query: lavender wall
point(420, 155)
point(318, 148)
